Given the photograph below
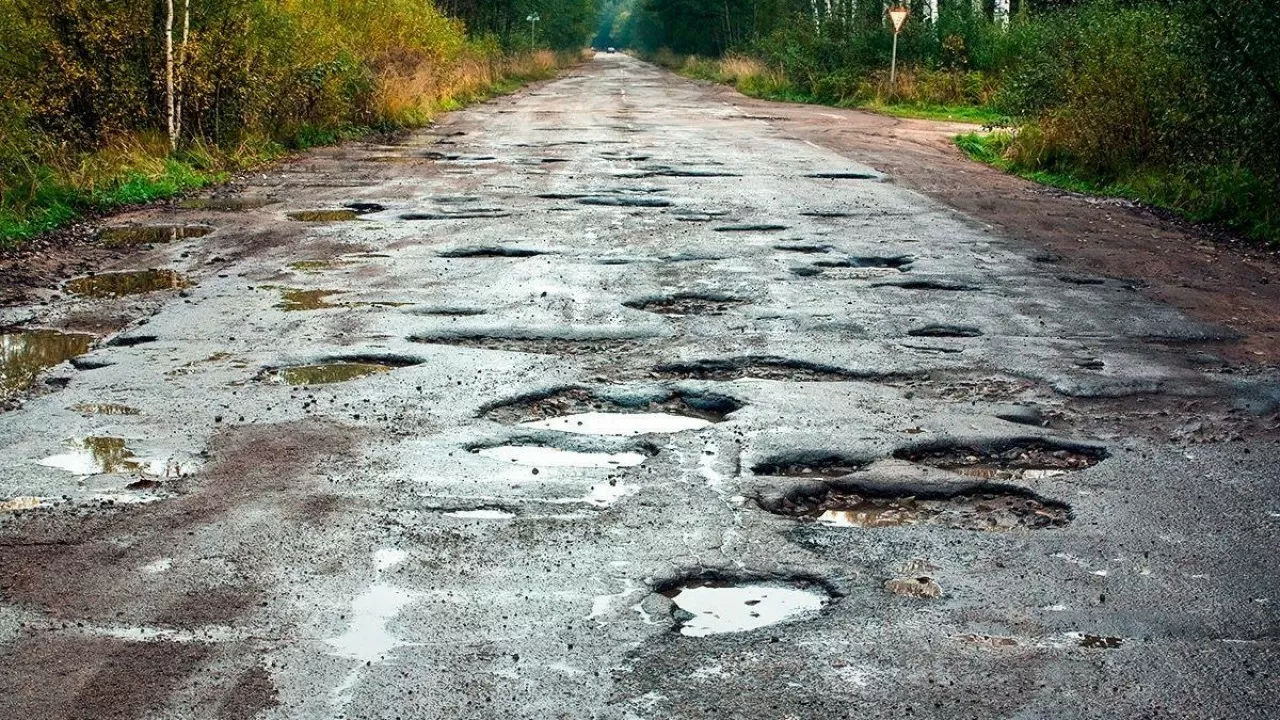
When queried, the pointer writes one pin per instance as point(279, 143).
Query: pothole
point(688, 173)
point(1019, 460)
point(337, 370)
point(756, 368)
point(24, 354)
point(897, 262)
point(532, 345)
point(491, 251)
point(920, 586)
point(999, 509)
point(580, 411)
point(624, 201)
point(717, 606)
point(759, 227)
point(97, 456)
point(806, 248)
point(120, 284)
point(687, 304)
point(467, 214)
point(294, 300)
point(945, 331)
point(540, 455)
point(827, 213)
point(1099, 642)
point(104, 409)
point(809, 465)
point(150, 234)
point(324, 216)
point(842, 176)
point(944, 285)
point(224, 204)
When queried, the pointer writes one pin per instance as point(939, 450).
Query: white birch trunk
point(1002, 12)
point(182, 68)
point(168, 72)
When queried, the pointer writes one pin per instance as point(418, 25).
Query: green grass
point(950, 113)
point(1228, 196)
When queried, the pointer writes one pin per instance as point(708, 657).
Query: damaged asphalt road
point(604, 400)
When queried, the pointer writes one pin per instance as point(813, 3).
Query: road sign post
point(899, 17)
point(533, 24)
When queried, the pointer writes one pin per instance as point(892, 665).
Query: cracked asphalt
point(199, 524)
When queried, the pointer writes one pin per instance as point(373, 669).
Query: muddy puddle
point(224, 204)
point(943, 285)
point(716, 607)
point(945, 331)
point(327, 373)
point(579, 411)
point(496, 251)
point(293, 300)
point(150, 234)
point(24, 354)
point(323, 216)
point(687, 304)
point(997, 510)
point(1032, 460)
point(894, 262)
point(533, 345)
point(464, 214)
point(754, 368)
point(842, 176)
point(545, 456)
point(98, 456)
point(805, 248)
point(120, 284)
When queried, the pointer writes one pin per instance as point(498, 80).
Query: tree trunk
point(182, 69)
point(168, 72)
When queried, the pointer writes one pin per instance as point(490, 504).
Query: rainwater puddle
point(151, 235)
point(367, 638)
point(481, 514)
point(842, 176)
point(992, 511)
point(326, 373)
point(224, 204)
point(715, 608)
point(1034, 460)
point(120, 284)
point(25, 353)
point(98, 456)
point(295, 300)
point(945, 331)
point(602, 423)
point(533, 345)
point(756, 368)
point(946, 285)
point(749, 228)
point(324, 216)
point(686, 304)
point(896, 262)
point(624, 201)
point(496, 251)
point(541, 456)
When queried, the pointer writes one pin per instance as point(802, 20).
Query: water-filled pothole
point(687, 304)
point(533, 345)
point(1019, 460)
point(945, 331)
point(897, 262)
point(463, 214)
point(580, 411)
point(120, 284)
point(293, 300)
point(993, 509)
point(927, 284)
point(536, 455)
point(491, 251)
point(842, 176)
point(806, 248)
point(323, 216)
point(756, 368)
point(624, 201)
point(150, 234)
point(336, 370)
point(809, 465)
point(97, 456)
point(224, 204)
point(760, 227)
point(716, 606)
point(25, 353)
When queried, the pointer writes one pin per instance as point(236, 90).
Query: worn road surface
point(616, 399)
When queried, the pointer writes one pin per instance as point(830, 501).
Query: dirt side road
point(627, 397)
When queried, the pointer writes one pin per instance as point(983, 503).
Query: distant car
point(611, 50)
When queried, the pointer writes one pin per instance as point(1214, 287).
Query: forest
point(1170, 102)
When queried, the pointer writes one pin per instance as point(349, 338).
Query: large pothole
point(491, 251)
point(24, 354)
point(336, 370)
point(582, 411)
point(896, 262)
point(1013, 460)
point(993, 508)
point(717, 605)
point(756, 368)
point(532, 344)
point(150, 234)
point(545, 452)
point(681, 304)
point(120, 284)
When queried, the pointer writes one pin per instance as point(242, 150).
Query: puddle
point(804, 248)
point(579, 411)
point(1032, 460)
point(999, 510)
point(315, 266)
point(755, 368)
point(491, 252)
point(98, 456)
point(842, 176)
point(326, 373)
point(150, 235)
point(686, 304)
point(945, 285)
point(945, 331)
point(533, 345)
point(623, 201)
point(829, 466)
point(543, 456)
point(224, 204)
point(719, 607)
point(104, 409)
point(619, 423)
point(750, 228)
point(684, 173)
point(827, 214)
point(25, 353)
point(481, 514)
point(468, 214)
point(897, 262)
point(323, 216)
point(367, 638)
point(120, 284)
point(295, 300)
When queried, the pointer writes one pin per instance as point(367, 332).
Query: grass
point(947, 113)
point(1228, 196)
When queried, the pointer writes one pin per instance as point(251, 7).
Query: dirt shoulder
point(1213, 278)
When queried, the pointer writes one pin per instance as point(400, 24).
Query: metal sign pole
point(899, 17)
point(893, 63)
